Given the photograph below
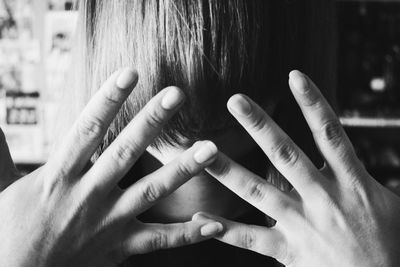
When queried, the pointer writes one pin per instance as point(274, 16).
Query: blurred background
point(35, 48)
point(368, 91)
point(35, 51)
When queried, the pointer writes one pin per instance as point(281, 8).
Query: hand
point(335, 216)
point(68, 213)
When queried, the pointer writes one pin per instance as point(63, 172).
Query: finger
point(251, 187)
point(119, 157)
point(260, 239)
point(146, 192)
point(89, 129)
point(151, 237)
point(328, 133)
point(8, 171)
point(284, 154)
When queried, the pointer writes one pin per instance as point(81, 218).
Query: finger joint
point(331, 131)
point(221, 168)
point(127, 152)
point(91, 127)
point(256, 191)
point(184, 238)
point(153, 192)
point(112, 97)
point(286, 153)
point(248, 240)
point(184, 170)
point(312, 100)
point(154, 118)
point(258, 123)
point(159, 241)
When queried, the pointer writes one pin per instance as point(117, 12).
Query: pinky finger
point(145, 238)
point(267, 241)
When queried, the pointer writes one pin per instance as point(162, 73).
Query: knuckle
point(332, 132)
point(153, 192)
point(154, 117)
point(183, 170)
point(248, 240)
point(258, 122)
point(184, 238)
point(286, 152)
point(91, 127)
point(126, 152)
point(312, 100)
point(256, 191)
point(357, 168)
point(221, 167)
point(159, 241)
point(112, 96)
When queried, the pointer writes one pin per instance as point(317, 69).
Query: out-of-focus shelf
point(25, 143)
point(366, 122)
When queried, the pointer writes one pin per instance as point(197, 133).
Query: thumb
point(8, 171)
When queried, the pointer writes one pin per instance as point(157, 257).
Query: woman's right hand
point(68, 213)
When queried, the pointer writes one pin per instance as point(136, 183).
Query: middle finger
point(283, 153)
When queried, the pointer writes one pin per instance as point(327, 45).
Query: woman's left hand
point(335, 216)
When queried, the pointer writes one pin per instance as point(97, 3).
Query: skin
point(70, 213)
point(202, 192)
point(335, 216)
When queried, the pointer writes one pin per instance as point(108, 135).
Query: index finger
point(252, 188)
point(328, 133)
point(88, 131)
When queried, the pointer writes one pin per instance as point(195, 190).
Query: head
point(210, 49)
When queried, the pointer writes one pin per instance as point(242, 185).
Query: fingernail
point(172, 98)
point(211, 229)
point(200, 216)
point(126, 78)
point(206, 152)
point(239, 105)
point(298, 81)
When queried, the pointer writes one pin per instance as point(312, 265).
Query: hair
point(211, 49)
